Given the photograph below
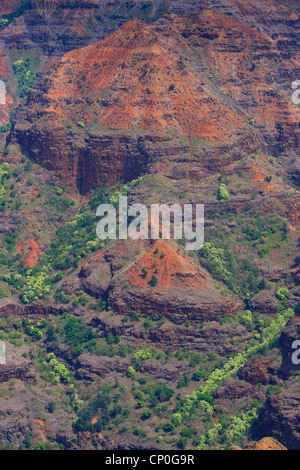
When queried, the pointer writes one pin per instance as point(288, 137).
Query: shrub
point(36, 287)
point(161, 392)
point(77, 334)
point(140, 432)
point(144, 272)
point(142, 355)
point(3, 22)
point(222, 192)
point(182, 442)
point(135, 316)
point(147, 324)
point(58, 371)
point(99, 407)
point(169, 427)
point(198, 374)
point(297, 260)
point(130, 372)
point(176, 419)
point(297, 308)
point(186, 432)
point(51, 406)
point(282, 293)
point(154, 280)
point(146, 415)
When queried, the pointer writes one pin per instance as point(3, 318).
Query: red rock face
point(4, 108)
point(255, 371)
point(104, 112)
point(182, 290)
point(7, 6)
point(267, 443)
point(281, 415)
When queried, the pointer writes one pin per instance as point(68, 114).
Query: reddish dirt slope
point(202, 78)
point(182, 291)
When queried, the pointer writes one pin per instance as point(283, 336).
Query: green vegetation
point(3, 22)
point(236, 268)
point(154, 280)
point(187, 419)
point(57, 370)
point(222, 192)
point(98, 414)
point(114, 199)
point(78, 235)
point(4, 168)
point(36, 287)
point(25, 77)
point(181, 413)
point(5, 128)
point(78, 335)
point(6, 19)
point(269, 336)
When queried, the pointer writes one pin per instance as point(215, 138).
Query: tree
point(182, 442)
point(146, 415)
point(297, 260)
point(130, 372)
point(51, 406)
point(154, 280)
point(222, 192)
point(177, 419)
point(168, 427)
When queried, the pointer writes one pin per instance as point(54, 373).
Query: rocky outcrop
point(62, 25)
point(280, 416)
point(9, 223)
point(222, 339)
point(90, 367)
point(264, 302)
point(160, 281)
point(255, 371)
point(23, 371)
point(183, 291)
point(235, 389)
point(266, 443)
point(10, 307)
point(14, 422)
point(16, 365)
point(94, 123)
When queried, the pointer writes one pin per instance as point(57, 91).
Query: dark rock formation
point(280, 416)
point(182, 290)
point(255, 371)
point(264, 302)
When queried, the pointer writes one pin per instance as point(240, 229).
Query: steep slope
point(61, 25)
point(157, 89)
point(182, 291)
point(42, 31)
point(293, 4)
point(134, 344)
point(8, 6)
